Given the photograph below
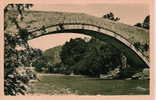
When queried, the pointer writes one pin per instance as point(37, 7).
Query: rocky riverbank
point(144, 74)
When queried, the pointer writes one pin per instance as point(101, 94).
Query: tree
point(111, 16)
point(73, 51)
point(89, 58)
point(33, 55)
point(145, 24)
point(14, 83)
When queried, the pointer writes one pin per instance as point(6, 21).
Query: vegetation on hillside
point(53, 54)
point(14, 82)
point(91, 58)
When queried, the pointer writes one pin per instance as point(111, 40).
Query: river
point(50, 84)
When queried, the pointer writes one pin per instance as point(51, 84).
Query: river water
point(80, 85)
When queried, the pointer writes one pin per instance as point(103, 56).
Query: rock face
point(111, 75)
point(142, 75)
point(123, 61)
point(114, 74)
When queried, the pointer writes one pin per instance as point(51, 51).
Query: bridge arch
point(104, 34)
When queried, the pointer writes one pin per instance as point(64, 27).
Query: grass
point(80, 85)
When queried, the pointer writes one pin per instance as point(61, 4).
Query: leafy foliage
point(53, 54)
point(145, 24)
point(111, 16)
point(141, 47)
point(73, 51)
point(14, 83)
point(92, 58)
point(98, 59)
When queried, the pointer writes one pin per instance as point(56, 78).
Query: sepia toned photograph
point(94, 49)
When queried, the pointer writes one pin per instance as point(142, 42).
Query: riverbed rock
point(142, 75)
point(111, 75)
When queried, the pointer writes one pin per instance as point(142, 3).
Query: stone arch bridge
point(119, 35)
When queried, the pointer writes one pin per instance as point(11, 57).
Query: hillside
point(53, 54)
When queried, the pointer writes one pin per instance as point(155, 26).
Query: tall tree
point(14, 83)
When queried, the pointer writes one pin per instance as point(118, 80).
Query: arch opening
point(106, 35)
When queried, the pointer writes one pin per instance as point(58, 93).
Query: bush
point(15, 84)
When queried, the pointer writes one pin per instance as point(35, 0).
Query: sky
point(129, 13)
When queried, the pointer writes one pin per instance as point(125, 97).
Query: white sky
point(128, 13)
